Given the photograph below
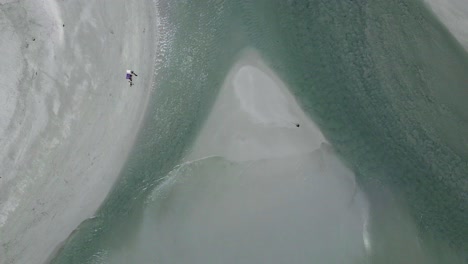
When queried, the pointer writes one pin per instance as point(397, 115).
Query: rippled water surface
point(385, 82)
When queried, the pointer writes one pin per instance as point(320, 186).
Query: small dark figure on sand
point(129, 76)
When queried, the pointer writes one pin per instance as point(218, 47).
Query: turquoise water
point(384, 80)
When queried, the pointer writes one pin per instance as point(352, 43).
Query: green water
point(384, 80)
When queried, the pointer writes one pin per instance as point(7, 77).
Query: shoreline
point(83, 119)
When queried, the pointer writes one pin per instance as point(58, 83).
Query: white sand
point(260, 123)
point(454, 14)
point(68, 117)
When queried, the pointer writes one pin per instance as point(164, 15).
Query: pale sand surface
point(68, 117)
point(454, 14)
point(255, 117)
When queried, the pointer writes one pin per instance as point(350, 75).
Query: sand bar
point(256, 186)
point(255, 117)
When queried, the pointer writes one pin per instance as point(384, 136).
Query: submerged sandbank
point(260, 185)
point(69, 118)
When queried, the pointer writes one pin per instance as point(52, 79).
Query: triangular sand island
point(256, 187)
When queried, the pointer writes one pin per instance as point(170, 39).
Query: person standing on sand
point(129, 75)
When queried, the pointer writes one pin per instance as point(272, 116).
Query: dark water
point(384, 80)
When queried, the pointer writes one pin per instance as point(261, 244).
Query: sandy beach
point(68, 117)
point(255, 117)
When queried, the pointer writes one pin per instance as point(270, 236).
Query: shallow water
point(385, 82)
point(276, 210)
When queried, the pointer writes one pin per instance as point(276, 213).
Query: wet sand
point(68, 117)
